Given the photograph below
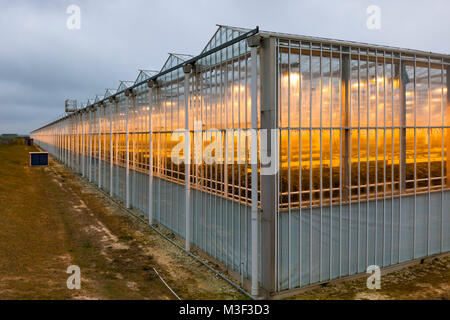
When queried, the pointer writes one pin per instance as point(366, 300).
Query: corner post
point(254, 43)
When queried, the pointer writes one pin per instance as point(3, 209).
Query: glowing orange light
point(293, 78)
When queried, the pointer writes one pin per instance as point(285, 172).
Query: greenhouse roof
point(174, 60)
point(144, 75)
point(109, 92)
point(228, 35)
point(124, 85)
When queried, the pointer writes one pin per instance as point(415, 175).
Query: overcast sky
point(42, 62)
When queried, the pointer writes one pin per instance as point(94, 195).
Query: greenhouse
point(307, 159)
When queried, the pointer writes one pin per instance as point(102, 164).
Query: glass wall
point(386, 136)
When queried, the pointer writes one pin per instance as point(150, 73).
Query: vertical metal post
point(90, 145)
point(403, 81)
point(69, 141)
point(135, 128)
point(187, 155)
point(83, 157)
point(346, 186)
point(72, 147)
point(65, 141)
point(67, 132)
point(150, 153)
point(127, 189)
point(58, 139)
point(99, 154)
point(345, 85)
point(78, 142)
point(111, 163)
point(254, 168)
point(118, 137)
point(61, 142)
point(268, 118)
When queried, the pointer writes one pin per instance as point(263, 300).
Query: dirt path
point(51, 219)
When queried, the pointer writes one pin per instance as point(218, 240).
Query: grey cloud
point(42, 62)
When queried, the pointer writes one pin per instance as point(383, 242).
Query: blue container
point(38, 159)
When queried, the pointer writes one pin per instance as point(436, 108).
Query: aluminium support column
point(99, 153)
point(58, 131)
point(346, 152)
point(187, 156)
point(90, 145)
point(72, 142)
point(134, 120)
point(69, 142)
point(111, 163)
point(63, 141)
point(60, 145)
point(77, 142)
point(83, 157)
point(269, 121)
point(253, 43)
point(64, 131)
point(128, 93)
point(67, 131)
point(150, 84)
point(403, 79)
point(118, 136)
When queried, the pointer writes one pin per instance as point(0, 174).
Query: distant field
point(51, 219)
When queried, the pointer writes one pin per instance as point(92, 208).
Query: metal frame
point(311, 222)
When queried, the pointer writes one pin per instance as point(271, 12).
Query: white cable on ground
point(166, 284)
